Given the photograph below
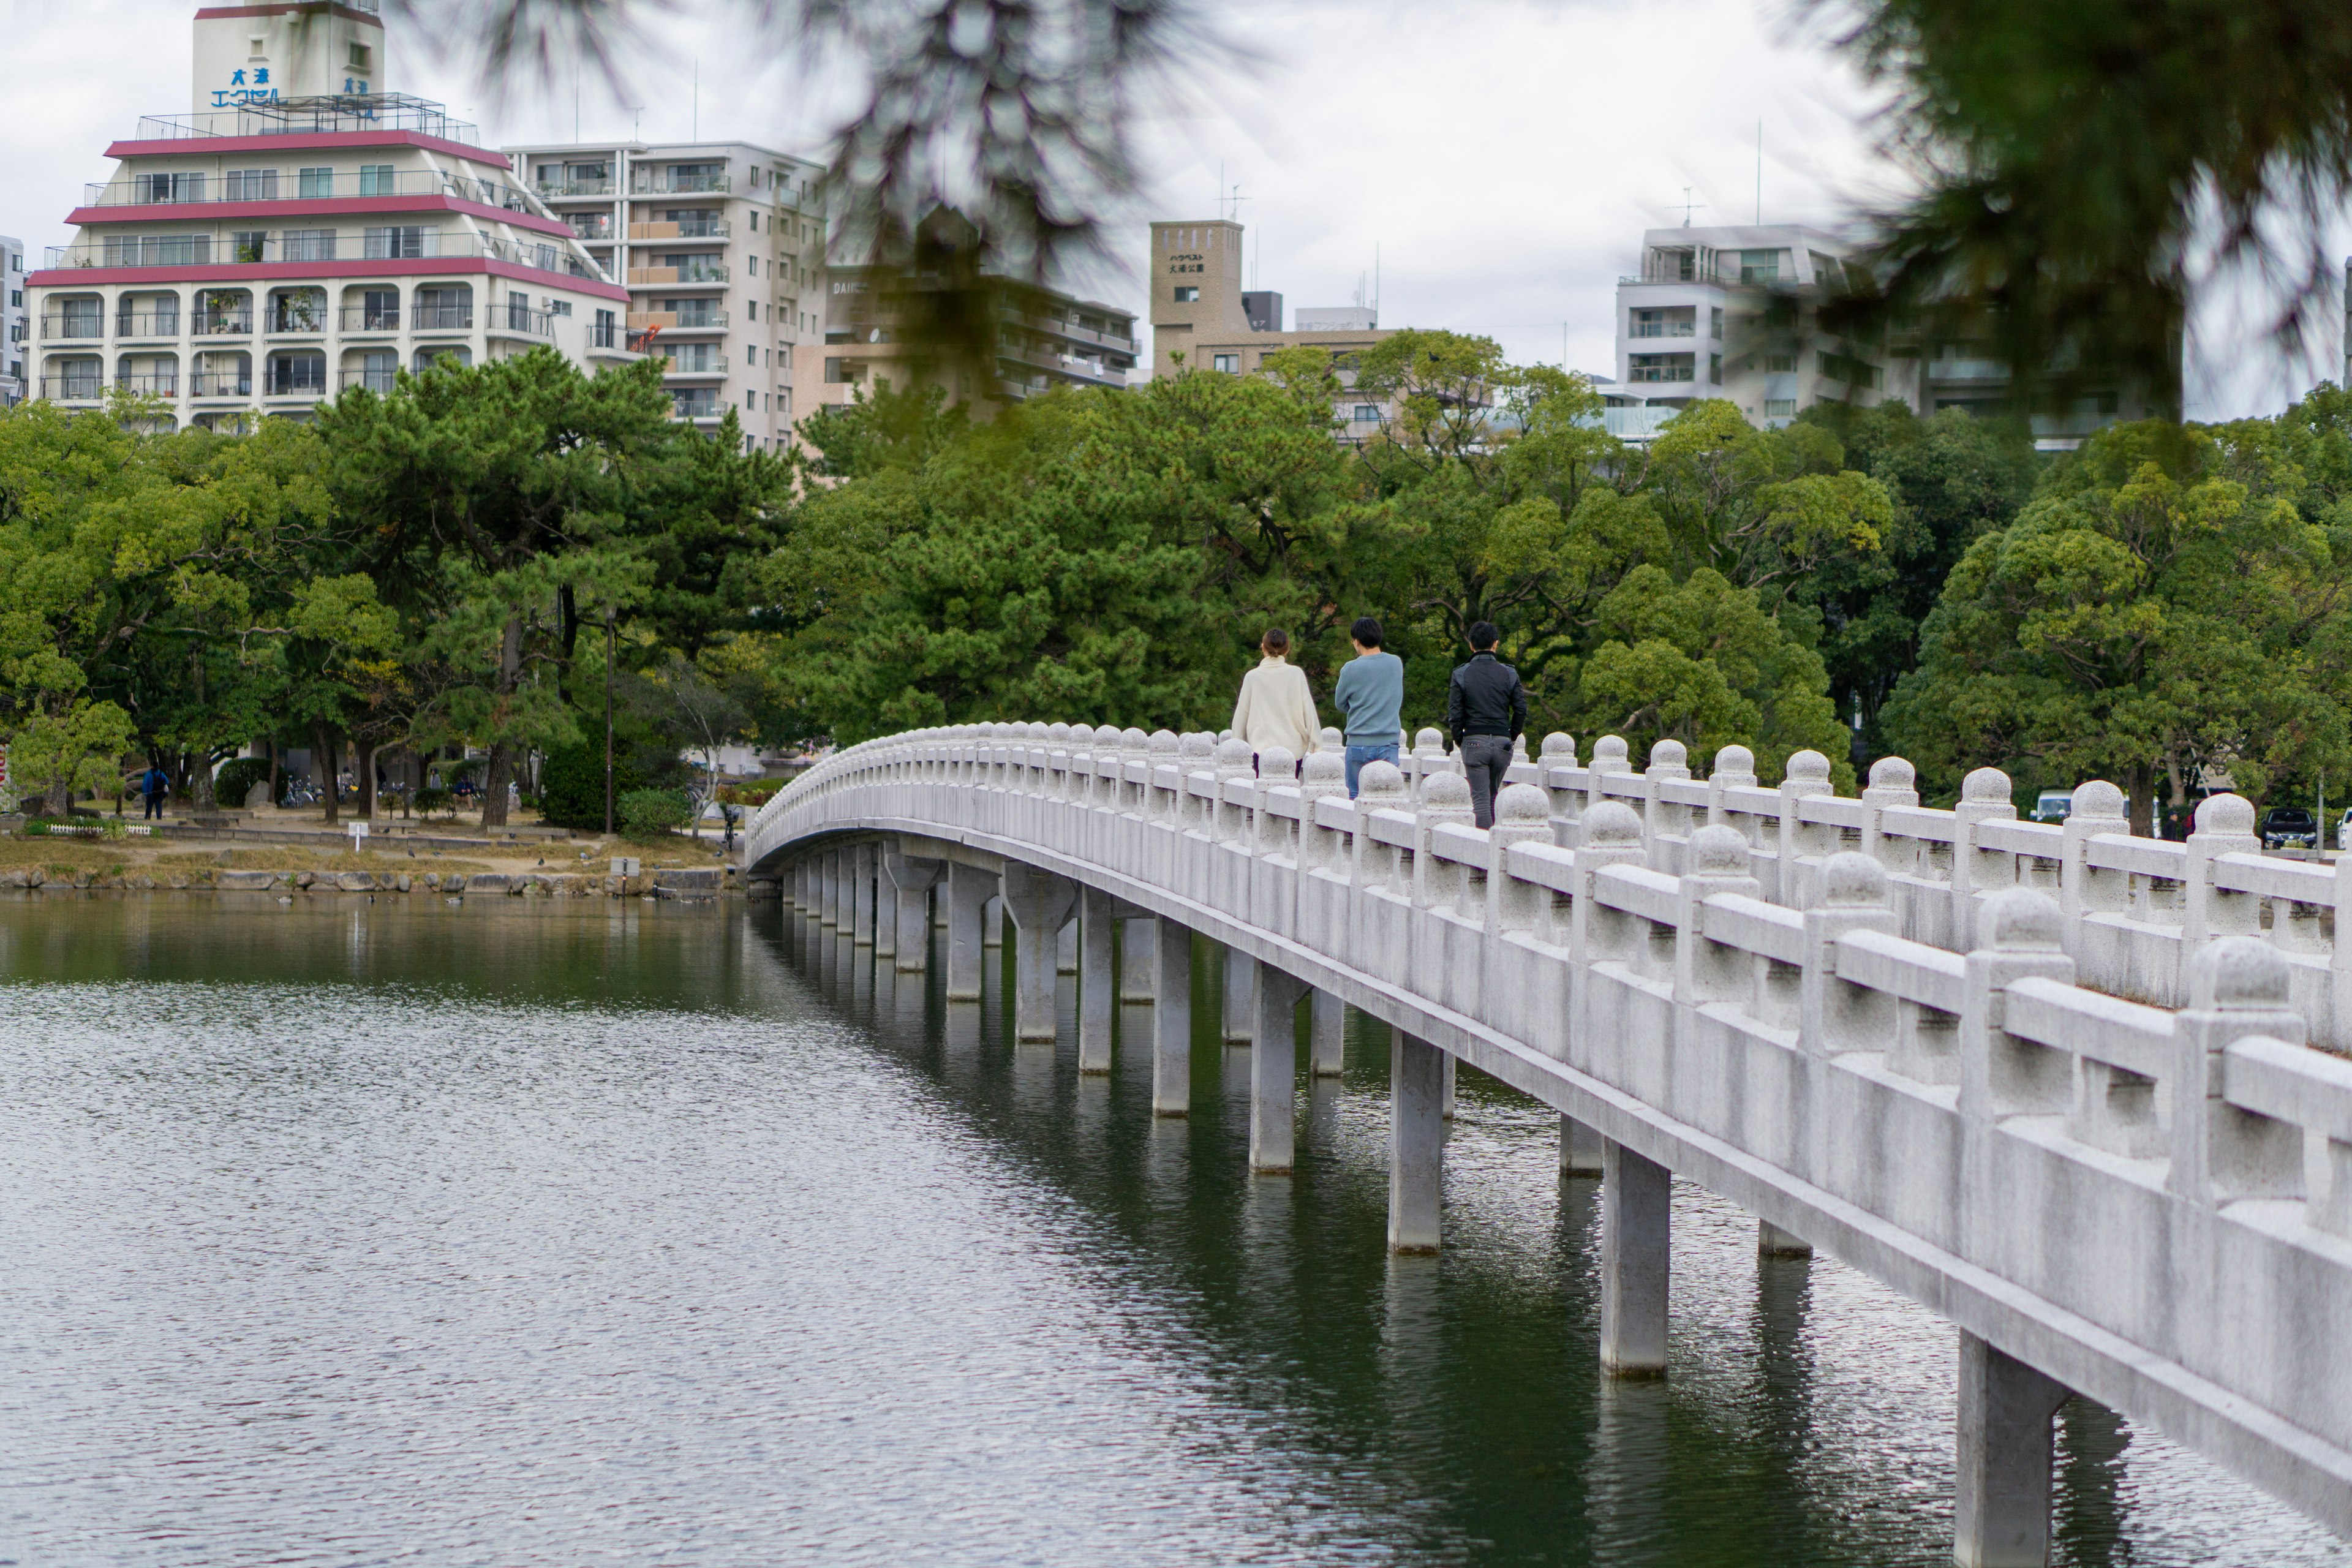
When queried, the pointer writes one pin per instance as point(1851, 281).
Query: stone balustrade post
point(1558, 752)
point(1235, 763)
point(1427, 759)
point(2238, 987)
point(1324, 774)
point(1735, 768)
point(1802, 845)
point(1893, 782)
point(1269, 833)
point(1444, 798)
point(1158, 799)
point(1986, 795)
point(2224, 825)
point(1378, 787)
point(2002, 1074)
point(1609, 757)
point(1196, 753)
point(1836, 1015)
point(2083, 888)
point(1522, 815)
point(1663, 819)
point(1612, 836)
point(1708, 971)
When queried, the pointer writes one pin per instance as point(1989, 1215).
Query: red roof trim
point(306, 271)
point(197, 212)
point(198, 146)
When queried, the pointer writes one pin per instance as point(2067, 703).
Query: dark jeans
point(1486, 758)
point(1359, 755)
point(154, 809)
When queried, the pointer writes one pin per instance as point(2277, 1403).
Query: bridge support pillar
point(828, 906)
point(1579, 1149)
point(1171, 1017)
point(910, 896)
point(1774, 1242)
point(970, 889)
point(1066, 949)
point(2000, 1517)
point(861, 893)
point(886, 908)
point(991, 923)
point(1327, 1036)
point(1137, 964)
point(1039, 904)
point(1241, 984)
point(1098, 982)
point(1273, 1072)
point(1416, 1142)
point(1453, 1069)
point(1636, 1247)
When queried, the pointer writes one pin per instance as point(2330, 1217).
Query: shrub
point(572, 786)
point(650, 813)
point(433, 798)
point(38, 828)
point(751, 794)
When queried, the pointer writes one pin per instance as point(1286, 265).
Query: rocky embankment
point(688, 883)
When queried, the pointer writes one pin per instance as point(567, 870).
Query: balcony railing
point(398, 243)
point(441, 317)
point(224, 323)
point(1967, 370)
point(560, 190)
point(335, 114)
point(591, 226)
point(221, 384)
point(371, 319)
point(678, 321)
point(603, 335)
point(665, 183)
point(67, 328)
point(1635, 423)
point(80, 387)
point(696, 408)
point(707, 364)
point(155, 384)
point(521, 319)
point(710, 228)
point(291, 381)
point(148, 324)
point(299, 323)
point(284, 186)
point(373, 380)
point(678, 277)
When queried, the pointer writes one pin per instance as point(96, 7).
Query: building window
point(314, 184)
point(167, 188)
point(250, 185)
point(404, 243)
point(1779, 364)
point(426, 359)
point(1760, 266)
point(1715, 328)
point(1187, 294)
point(1667, 321)
point(307, 245)
point(1715, 369)
point(375, 179)
point(1659, 367)
point(1852, 371)
point(1230, 363)
point(1779, 408)
point(1368, 414)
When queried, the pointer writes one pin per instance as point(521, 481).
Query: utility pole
point(608, 720)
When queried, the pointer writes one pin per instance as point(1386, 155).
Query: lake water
point(341, 1232)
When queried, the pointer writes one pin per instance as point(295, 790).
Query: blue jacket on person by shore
point(1369, 697)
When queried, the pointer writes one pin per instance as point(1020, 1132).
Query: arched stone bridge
point(2078, 1091)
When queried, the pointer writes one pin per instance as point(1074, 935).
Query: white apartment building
point(298, 233)
point(14, 334)
point(721, 245)
point(1730, 312)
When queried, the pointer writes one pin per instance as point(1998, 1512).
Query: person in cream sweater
point(1276, 709)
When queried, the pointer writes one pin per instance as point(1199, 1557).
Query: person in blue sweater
point(1369, 697)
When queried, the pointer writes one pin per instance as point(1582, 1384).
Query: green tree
point(2143, 617)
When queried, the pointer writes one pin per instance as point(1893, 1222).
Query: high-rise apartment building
point(298, 231)
point(14, 332)
point(721, 247)
point(1733, 313)
point(1203, 319)
point(1041, 337)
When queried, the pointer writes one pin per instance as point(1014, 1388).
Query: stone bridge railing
point(2055, 1082)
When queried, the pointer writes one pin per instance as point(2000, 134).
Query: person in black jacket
point(1487, 708)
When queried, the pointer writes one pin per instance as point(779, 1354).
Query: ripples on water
point(508, 1235)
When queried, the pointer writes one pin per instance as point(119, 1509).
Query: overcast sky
point(1500, 158)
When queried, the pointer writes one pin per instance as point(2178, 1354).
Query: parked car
point(2054, 805)
point(2290, 827)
